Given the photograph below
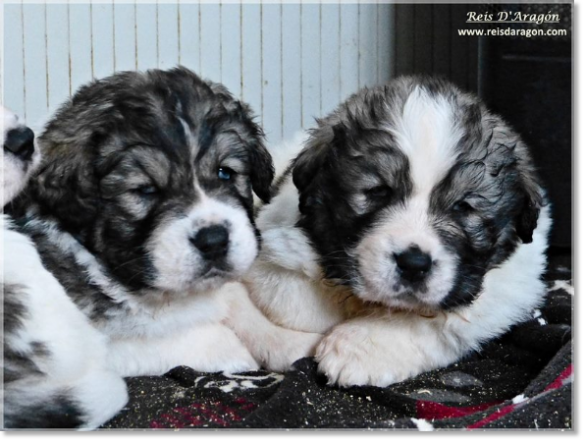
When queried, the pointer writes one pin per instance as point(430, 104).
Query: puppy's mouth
point(215, 272)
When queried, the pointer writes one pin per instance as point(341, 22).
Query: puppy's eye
point(146, 190)
point(462, 207)
point(225, 173)
point(378, 192)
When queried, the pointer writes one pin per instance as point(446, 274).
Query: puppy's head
point(413, 191)
point(154, 172)
point(19, 156)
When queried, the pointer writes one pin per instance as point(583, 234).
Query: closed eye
point(378, 192)
point(145, 190)
point(462, 207)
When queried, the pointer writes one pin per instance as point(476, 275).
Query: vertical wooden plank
point(168, 35)
point(441, 39)
point(404, 26)
point(385, 42)
point(57, 55)
point(189, 35)
point(102, 39)
point(330, 58)
point(252, 57)
point(423, 38)
point(291, 70)
point(368, 41)
point(210, 26)
point(310, 64)
point(349, 50)
point(14, 59)
point(35, 68)
point(146, 38)
point(124, 37)
point(230, 48)
point(272, 71)
point(80, 45)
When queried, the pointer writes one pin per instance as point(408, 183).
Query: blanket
point(521, 380)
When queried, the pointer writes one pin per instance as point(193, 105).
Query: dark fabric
point(522, 380)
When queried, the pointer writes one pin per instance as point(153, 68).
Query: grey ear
point(527, 219)
point(66, 186)
point(262, 170)
point(261, 164)
point(307, 164)
point(532, 195)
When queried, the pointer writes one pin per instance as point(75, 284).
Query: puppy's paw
point(232, 358)
point(291, 346)
point(351, 355)
point(239, 365)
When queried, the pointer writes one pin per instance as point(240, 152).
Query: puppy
point(54, 360)
point(142, 209)
point(410, 230)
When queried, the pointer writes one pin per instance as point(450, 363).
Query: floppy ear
point(531, 191)
point(66, 186)
point(261, 170)
point(307, 164)
point(261, 165)
point(527, 219)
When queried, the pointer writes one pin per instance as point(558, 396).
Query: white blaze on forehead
point(191, 141)
point(426, 132)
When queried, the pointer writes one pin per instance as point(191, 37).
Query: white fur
point(275, 347)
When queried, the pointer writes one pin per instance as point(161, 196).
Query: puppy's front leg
point(385, 349)
point(275, 347)
point(208, 347)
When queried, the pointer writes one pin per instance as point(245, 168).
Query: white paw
point(350, 355)
point(291, 346)
point(235, 359)
point(240, 365)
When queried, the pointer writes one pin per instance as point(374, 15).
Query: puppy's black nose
point(212, 241)
point(21, 142)
point(413, 263)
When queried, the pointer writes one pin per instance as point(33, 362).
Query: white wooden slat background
point(290, 62)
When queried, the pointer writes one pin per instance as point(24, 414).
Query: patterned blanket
point(522, 380)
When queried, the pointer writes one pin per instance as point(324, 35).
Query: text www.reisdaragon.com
point(512, 32)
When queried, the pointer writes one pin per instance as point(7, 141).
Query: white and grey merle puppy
point(423, 207)
point(54, 360)
point(142, 208)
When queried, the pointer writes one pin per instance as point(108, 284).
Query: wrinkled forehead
point(165, 159)
point(139, 163)
point(377, 160)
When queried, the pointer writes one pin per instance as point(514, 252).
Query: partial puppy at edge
point(54, 365)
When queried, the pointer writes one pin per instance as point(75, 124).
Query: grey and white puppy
point(410, 230)
point(142, 209)
point(54, 364)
